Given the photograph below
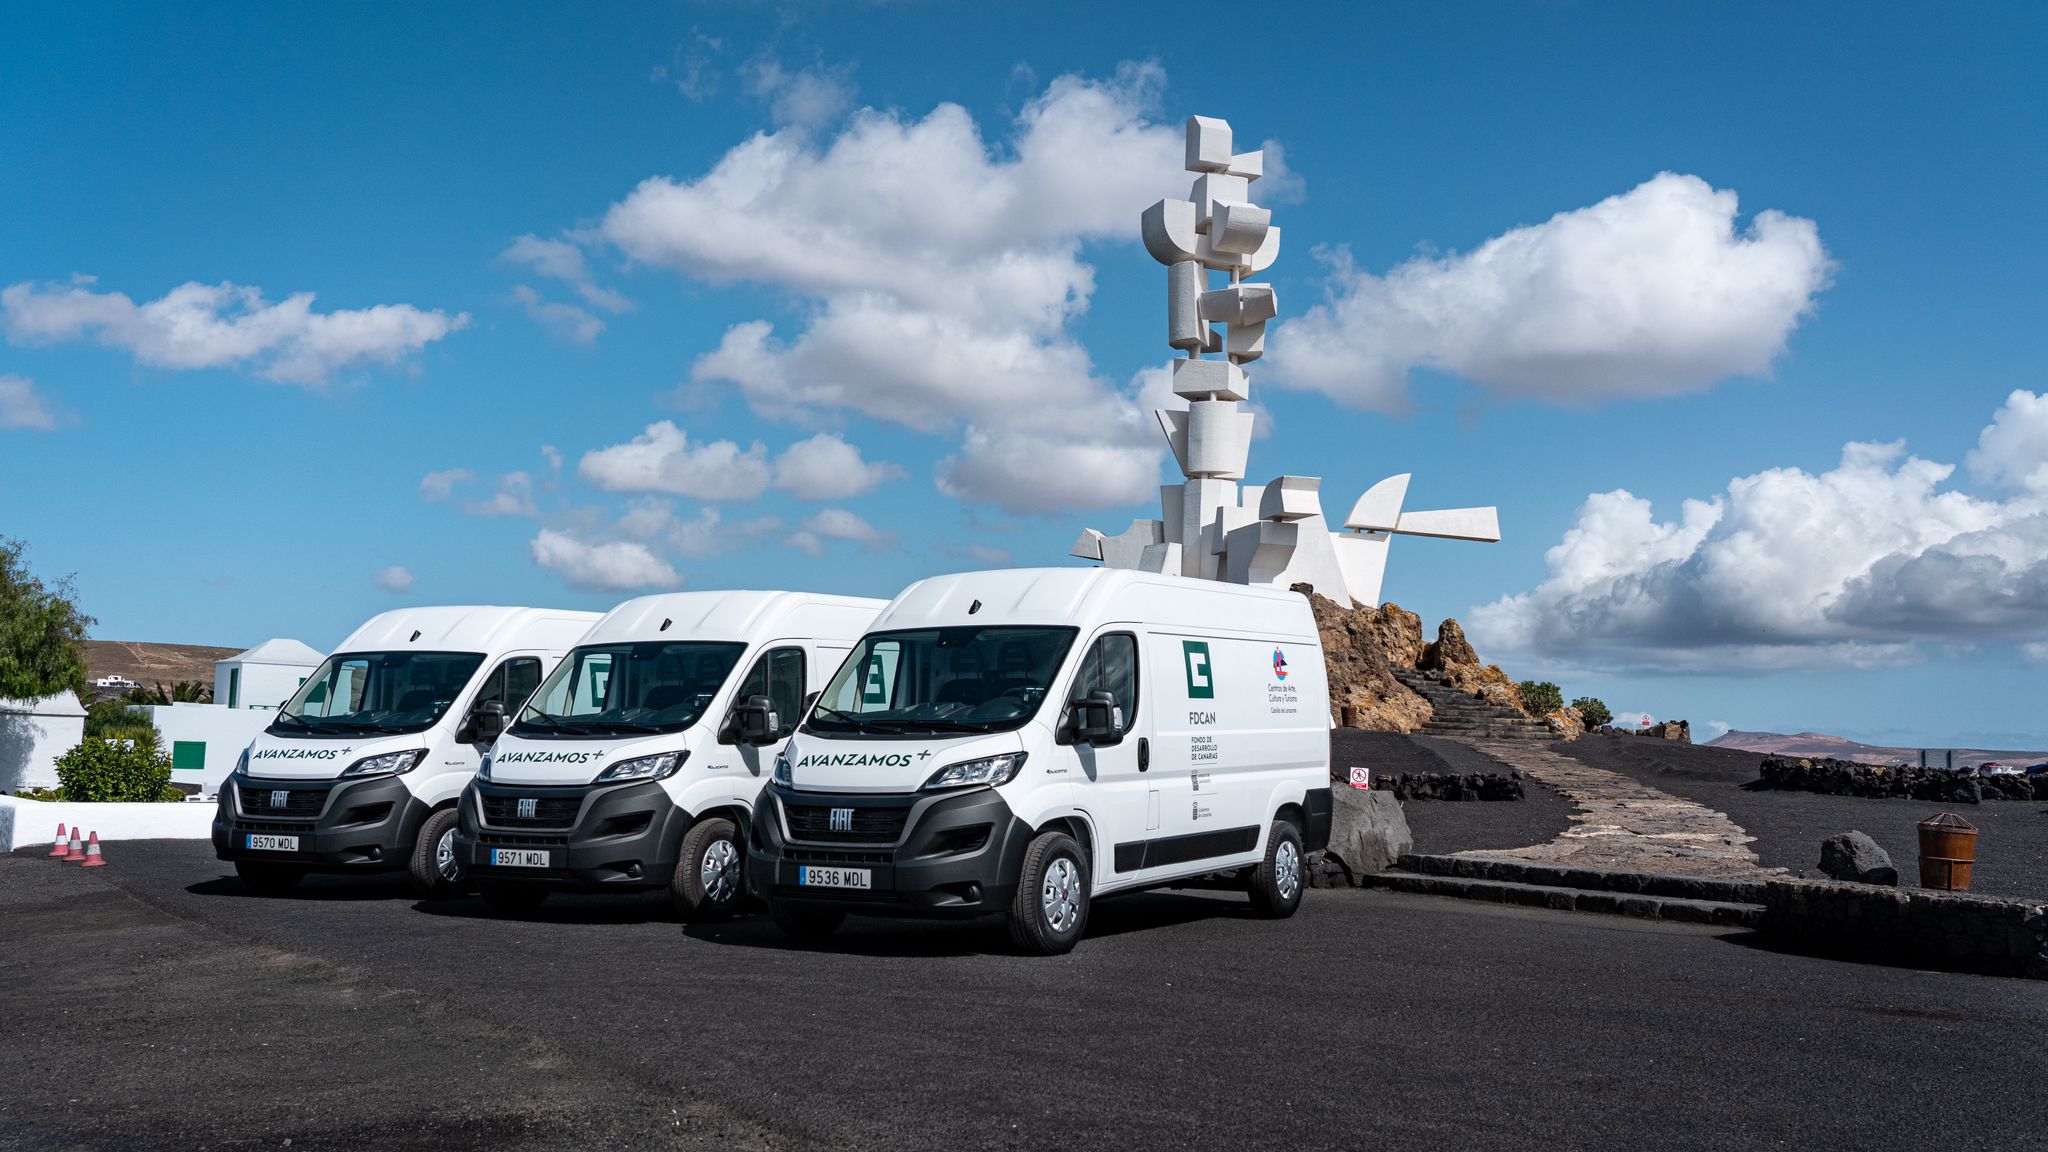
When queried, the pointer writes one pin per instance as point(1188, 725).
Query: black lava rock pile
point(1451, 785)
point(1888, 782)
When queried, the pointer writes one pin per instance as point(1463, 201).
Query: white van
point(635, 766)
point(1022, 742)
point(359, 771)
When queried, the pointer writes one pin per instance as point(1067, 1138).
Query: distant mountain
point(1816, 745)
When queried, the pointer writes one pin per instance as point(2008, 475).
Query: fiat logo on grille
point(842, 820)
point(529, 807)
point(280, 799)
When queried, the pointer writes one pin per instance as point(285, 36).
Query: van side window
point(1111, 663)
point(510, 683)
point(778, 675)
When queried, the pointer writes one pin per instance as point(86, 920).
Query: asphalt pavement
point(153, 1004)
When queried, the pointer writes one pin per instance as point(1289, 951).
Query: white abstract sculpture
point(1212, 527)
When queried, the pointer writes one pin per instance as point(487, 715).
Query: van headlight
point(241, 764)
point(389, 764)
point(784, 775)
point(993, 771)
point(657, 767)
point(483, 768)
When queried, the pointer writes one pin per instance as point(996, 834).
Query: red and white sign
point(1361, 778)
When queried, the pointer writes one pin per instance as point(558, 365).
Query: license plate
point(519, 858)
point(810, 877)
point(272, 843)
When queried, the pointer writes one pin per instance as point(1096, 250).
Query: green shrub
point(1540, 697)
point(117, 720)
point(131, 770)
point(49, 794)
point(1592, 711)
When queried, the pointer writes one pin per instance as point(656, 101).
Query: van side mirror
point(1097, 720)
point(487, 723)
point(755, 721)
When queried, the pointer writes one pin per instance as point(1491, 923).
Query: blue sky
point(857, 181)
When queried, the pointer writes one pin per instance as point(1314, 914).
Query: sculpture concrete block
point(1211, 526)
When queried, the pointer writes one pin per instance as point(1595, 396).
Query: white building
point(33, 733)
point(265, 676)
point(204, 740)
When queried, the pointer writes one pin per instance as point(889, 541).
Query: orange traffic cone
point(58, 850)
point(93, 859)
point(77, 850)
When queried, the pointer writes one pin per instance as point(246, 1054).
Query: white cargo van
point(1022, 742)
point(360, 769)
point(636, 765)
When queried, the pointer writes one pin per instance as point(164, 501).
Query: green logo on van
point(1194, 656)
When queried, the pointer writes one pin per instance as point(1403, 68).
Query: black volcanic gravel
point(2012, 841)
point(1453, 825)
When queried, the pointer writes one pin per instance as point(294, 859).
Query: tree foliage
point(41, 630)
point(100, 770)
point(1593, 711)
point(1540, 697)
point(183, 692)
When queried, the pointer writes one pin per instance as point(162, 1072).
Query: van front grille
point(548, 811)
point(298, 803)
point(863, 825)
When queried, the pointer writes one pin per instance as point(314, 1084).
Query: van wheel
point(1277, 881)
point(1050, 910)
point(802, 923)
point(435, 872)
point(707, 883)
point(269, 879)
point(510, 896)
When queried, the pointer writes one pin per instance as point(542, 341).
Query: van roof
point(469, 628)
point(736, 615)
point(1087, 597)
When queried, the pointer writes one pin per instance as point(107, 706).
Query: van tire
point(435, 873)
point(1049, 913)
point(1276, 882)
point(708, 882)
point(269, 879)
point(510, 896)
point(805, 924)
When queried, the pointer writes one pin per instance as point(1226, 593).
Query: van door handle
point(1144, 754)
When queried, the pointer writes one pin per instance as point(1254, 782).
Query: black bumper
point(608, 837)
point(368, 825)
point(1317, 808)
point(949, 855)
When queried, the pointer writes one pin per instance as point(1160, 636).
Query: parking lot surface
point(153, 1004)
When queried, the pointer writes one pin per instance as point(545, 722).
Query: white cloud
point(438, 485)
point(2012, 451)
point(223, 326)
point(566, 321)
point(1707, 731)
point(706, 534)
point(514, 497)
point(806, 98)
point(396, 579)
point(826, 467)
point(944, 274)
point(22, 407)
point(553, 456)
point(1864, 564)
point(662, 460)
point(611, 566)
point(562, 260)
point(1650, 293)
point(836, 524)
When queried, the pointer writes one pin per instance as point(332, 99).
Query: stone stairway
point(1460, 715)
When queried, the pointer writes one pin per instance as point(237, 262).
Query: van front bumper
point(363, 825)
point(946, 855)
point(598, 837)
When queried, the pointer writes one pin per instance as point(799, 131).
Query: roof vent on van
point(974, 607)
point(664, 624)
point(415, 635)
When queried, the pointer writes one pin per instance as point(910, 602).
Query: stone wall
point(1451, 785)
point(1888, 782)
point(1953, 931)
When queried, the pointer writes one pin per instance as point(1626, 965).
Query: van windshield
point(941, 680)
point(379, 693)
point(607, 689)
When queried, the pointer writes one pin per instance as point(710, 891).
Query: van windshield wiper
point(566, 729)
point(859, 723)
point(308, 725)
